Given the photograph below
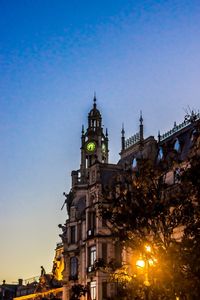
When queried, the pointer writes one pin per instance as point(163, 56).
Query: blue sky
point(136, 55)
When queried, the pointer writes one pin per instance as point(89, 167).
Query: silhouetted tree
point(190, 210)
point(79, 290)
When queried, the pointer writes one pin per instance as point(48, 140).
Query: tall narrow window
point(73, 267)
point(79, 232)
point(104, 252)
point(134, 163)
point(177, 146)
point(194, 134)
point(86, 162)
point(118, 252)
point(72, 234)
point(104, 290)
point(91, 220)
point(91, 256)
point(93, 290)
point(160, 154)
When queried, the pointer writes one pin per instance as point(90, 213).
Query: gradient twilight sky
point(136, 54)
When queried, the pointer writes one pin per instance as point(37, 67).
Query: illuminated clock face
point(91, 146)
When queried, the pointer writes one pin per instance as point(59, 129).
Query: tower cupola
point(94, 116)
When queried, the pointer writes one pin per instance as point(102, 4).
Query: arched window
point(160, 154)
point(193, 135)
point(177, 146)
point(134, 163)
point(73, 266)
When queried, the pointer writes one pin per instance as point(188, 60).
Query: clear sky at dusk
point(136, 54)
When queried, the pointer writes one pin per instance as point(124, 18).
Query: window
point(86, 162)
point(104, 290)
point(73, 267)
point(118, 252)
point(104, 252)
point(193, 135)
point(92, 256)
point(79, 176)
point(72, 234)
point(79, 232)
point(177, 146)
point(93, 290)
point(91, 220)
point(160, 154)
point(134, 163)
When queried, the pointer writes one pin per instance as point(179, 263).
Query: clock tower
point(94, 143)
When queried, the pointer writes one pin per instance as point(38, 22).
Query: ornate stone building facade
point(85, 236)
point(88, 242)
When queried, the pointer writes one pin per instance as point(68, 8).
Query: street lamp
point(148, 248)
point(144, 262)
point(140, 263)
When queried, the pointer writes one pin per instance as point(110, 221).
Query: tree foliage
point(79, 290)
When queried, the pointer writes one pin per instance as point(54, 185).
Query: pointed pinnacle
point(95, 100)
point(141, 118)
point(123, 131)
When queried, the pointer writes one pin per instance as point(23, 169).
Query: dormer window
point(177, 146)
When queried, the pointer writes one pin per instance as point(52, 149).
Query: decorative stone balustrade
point(132, 140)
point(188, 120)
point(31, 280)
